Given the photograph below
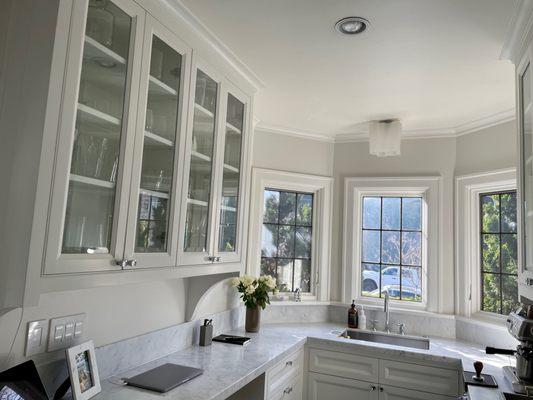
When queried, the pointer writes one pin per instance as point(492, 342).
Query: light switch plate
point(36, 337)
point(66, 332)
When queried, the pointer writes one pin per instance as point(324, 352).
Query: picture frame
point(83, 371)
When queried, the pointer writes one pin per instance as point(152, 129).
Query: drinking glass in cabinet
point(199, 184)
point(158, 148)
point(95, 153)
point(231, 175)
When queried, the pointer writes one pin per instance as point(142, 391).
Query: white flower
point(235, 281)
point(250, 289)
point(247, 280)
point(268, 280)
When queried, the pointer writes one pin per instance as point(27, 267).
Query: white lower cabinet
point(285, 379)
point(336, 375)
point(321, 387)
point(395, 393)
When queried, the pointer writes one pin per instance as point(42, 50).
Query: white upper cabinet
point(93, 165)
point(151, 148)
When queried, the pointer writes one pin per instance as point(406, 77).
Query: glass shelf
point(92, 181)
point(156, 140)
point(159, 88)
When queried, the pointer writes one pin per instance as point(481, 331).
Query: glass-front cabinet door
point(525, 113)
point(88, 216)
point(151, 237)
point(196, 238)
point(231, 157)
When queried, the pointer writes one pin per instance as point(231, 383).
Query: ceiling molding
point(216, 44)
point(487, 122)
point(298, 133)
point(362, 134)
point(519, 30)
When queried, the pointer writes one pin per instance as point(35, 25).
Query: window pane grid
point(403, 268)
point(284, 226)
point(495, 296)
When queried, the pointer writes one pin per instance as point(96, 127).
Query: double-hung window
point(391, 253)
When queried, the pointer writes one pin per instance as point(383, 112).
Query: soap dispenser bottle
point(352, 316)
point(361, 323)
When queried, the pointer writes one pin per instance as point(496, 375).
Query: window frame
point(428, 188)
point(322, 189)
point(500, 274)
point(468, 239)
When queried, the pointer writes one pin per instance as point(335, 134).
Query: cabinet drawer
point(323, 387)
point(291, 390)
point(419, 377)
point(287, 369)
point(343, 365)
point(394, 393)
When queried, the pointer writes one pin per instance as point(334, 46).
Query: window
point(391, 254)
point(286, 239)
point(499, 285)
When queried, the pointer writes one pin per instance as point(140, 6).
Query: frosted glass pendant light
point(385, 137)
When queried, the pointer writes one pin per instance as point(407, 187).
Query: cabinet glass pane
point(199, 190)
point(231, 176)
point(527, 157)
point(158, 148)
point(95, 157)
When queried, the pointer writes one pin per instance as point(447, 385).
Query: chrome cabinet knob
point(373, 387)
point(121, 263)
point(131, 263)
point(401, 328)
point(287, 390)
point(288, 363)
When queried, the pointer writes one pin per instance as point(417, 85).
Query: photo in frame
point(83, 371)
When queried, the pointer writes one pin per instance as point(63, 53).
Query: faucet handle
point(374, 322)
point(401, 328)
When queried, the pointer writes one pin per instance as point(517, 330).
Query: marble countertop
point(227, 367)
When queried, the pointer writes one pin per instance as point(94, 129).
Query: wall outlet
point(66, 332)
point(36, 337)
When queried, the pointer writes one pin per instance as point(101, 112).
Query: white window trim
point(467, 263)
point(322, 189)
point(426, 187)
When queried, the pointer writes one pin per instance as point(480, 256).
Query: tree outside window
point(499, 254)
point(286, 239)
point(392, 248)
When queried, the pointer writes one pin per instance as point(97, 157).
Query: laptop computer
point(22, 382)
point(164, 378)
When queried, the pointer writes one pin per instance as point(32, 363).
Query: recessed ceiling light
point(352, 25)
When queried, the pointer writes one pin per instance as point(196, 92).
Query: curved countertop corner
point(228, 368)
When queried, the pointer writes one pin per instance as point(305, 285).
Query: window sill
point(485, 318)
point(304, 302)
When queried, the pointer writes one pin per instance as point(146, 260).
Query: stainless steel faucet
point(387, 313)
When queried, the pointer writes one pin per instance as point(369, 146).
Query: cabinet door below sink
point(394, 393)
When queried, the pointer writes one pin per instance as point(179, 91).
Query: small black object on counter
point(206, 333)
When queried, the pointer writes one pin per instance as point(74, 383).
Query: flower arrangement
point(255, 290)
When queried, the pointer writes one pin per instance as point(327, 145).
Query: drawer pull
point(373, 388)
point(288, 364)
point(287, 390)
point(381, 389)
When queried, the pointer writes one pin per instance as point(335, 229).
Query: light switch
point(66, 332)
point(36, 338)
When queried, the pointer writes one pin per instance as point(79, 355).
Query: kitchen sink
point(415, 342)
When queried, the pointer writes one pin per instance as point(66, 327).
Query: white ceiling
point(432, 63)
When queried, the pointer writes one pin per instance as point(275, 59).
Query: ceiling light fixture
point(352, 25)
point(385, 137)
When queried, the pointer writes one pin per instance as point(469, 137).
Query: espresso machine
point(521, 376)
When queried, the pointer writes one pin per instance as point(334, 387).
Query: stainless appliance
point(521, 376)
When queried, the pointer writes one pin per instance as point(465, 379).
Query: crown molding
point(216, 44)
point(298, 133)
point(487, 122)
point(519, 30)
point(362, 134)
